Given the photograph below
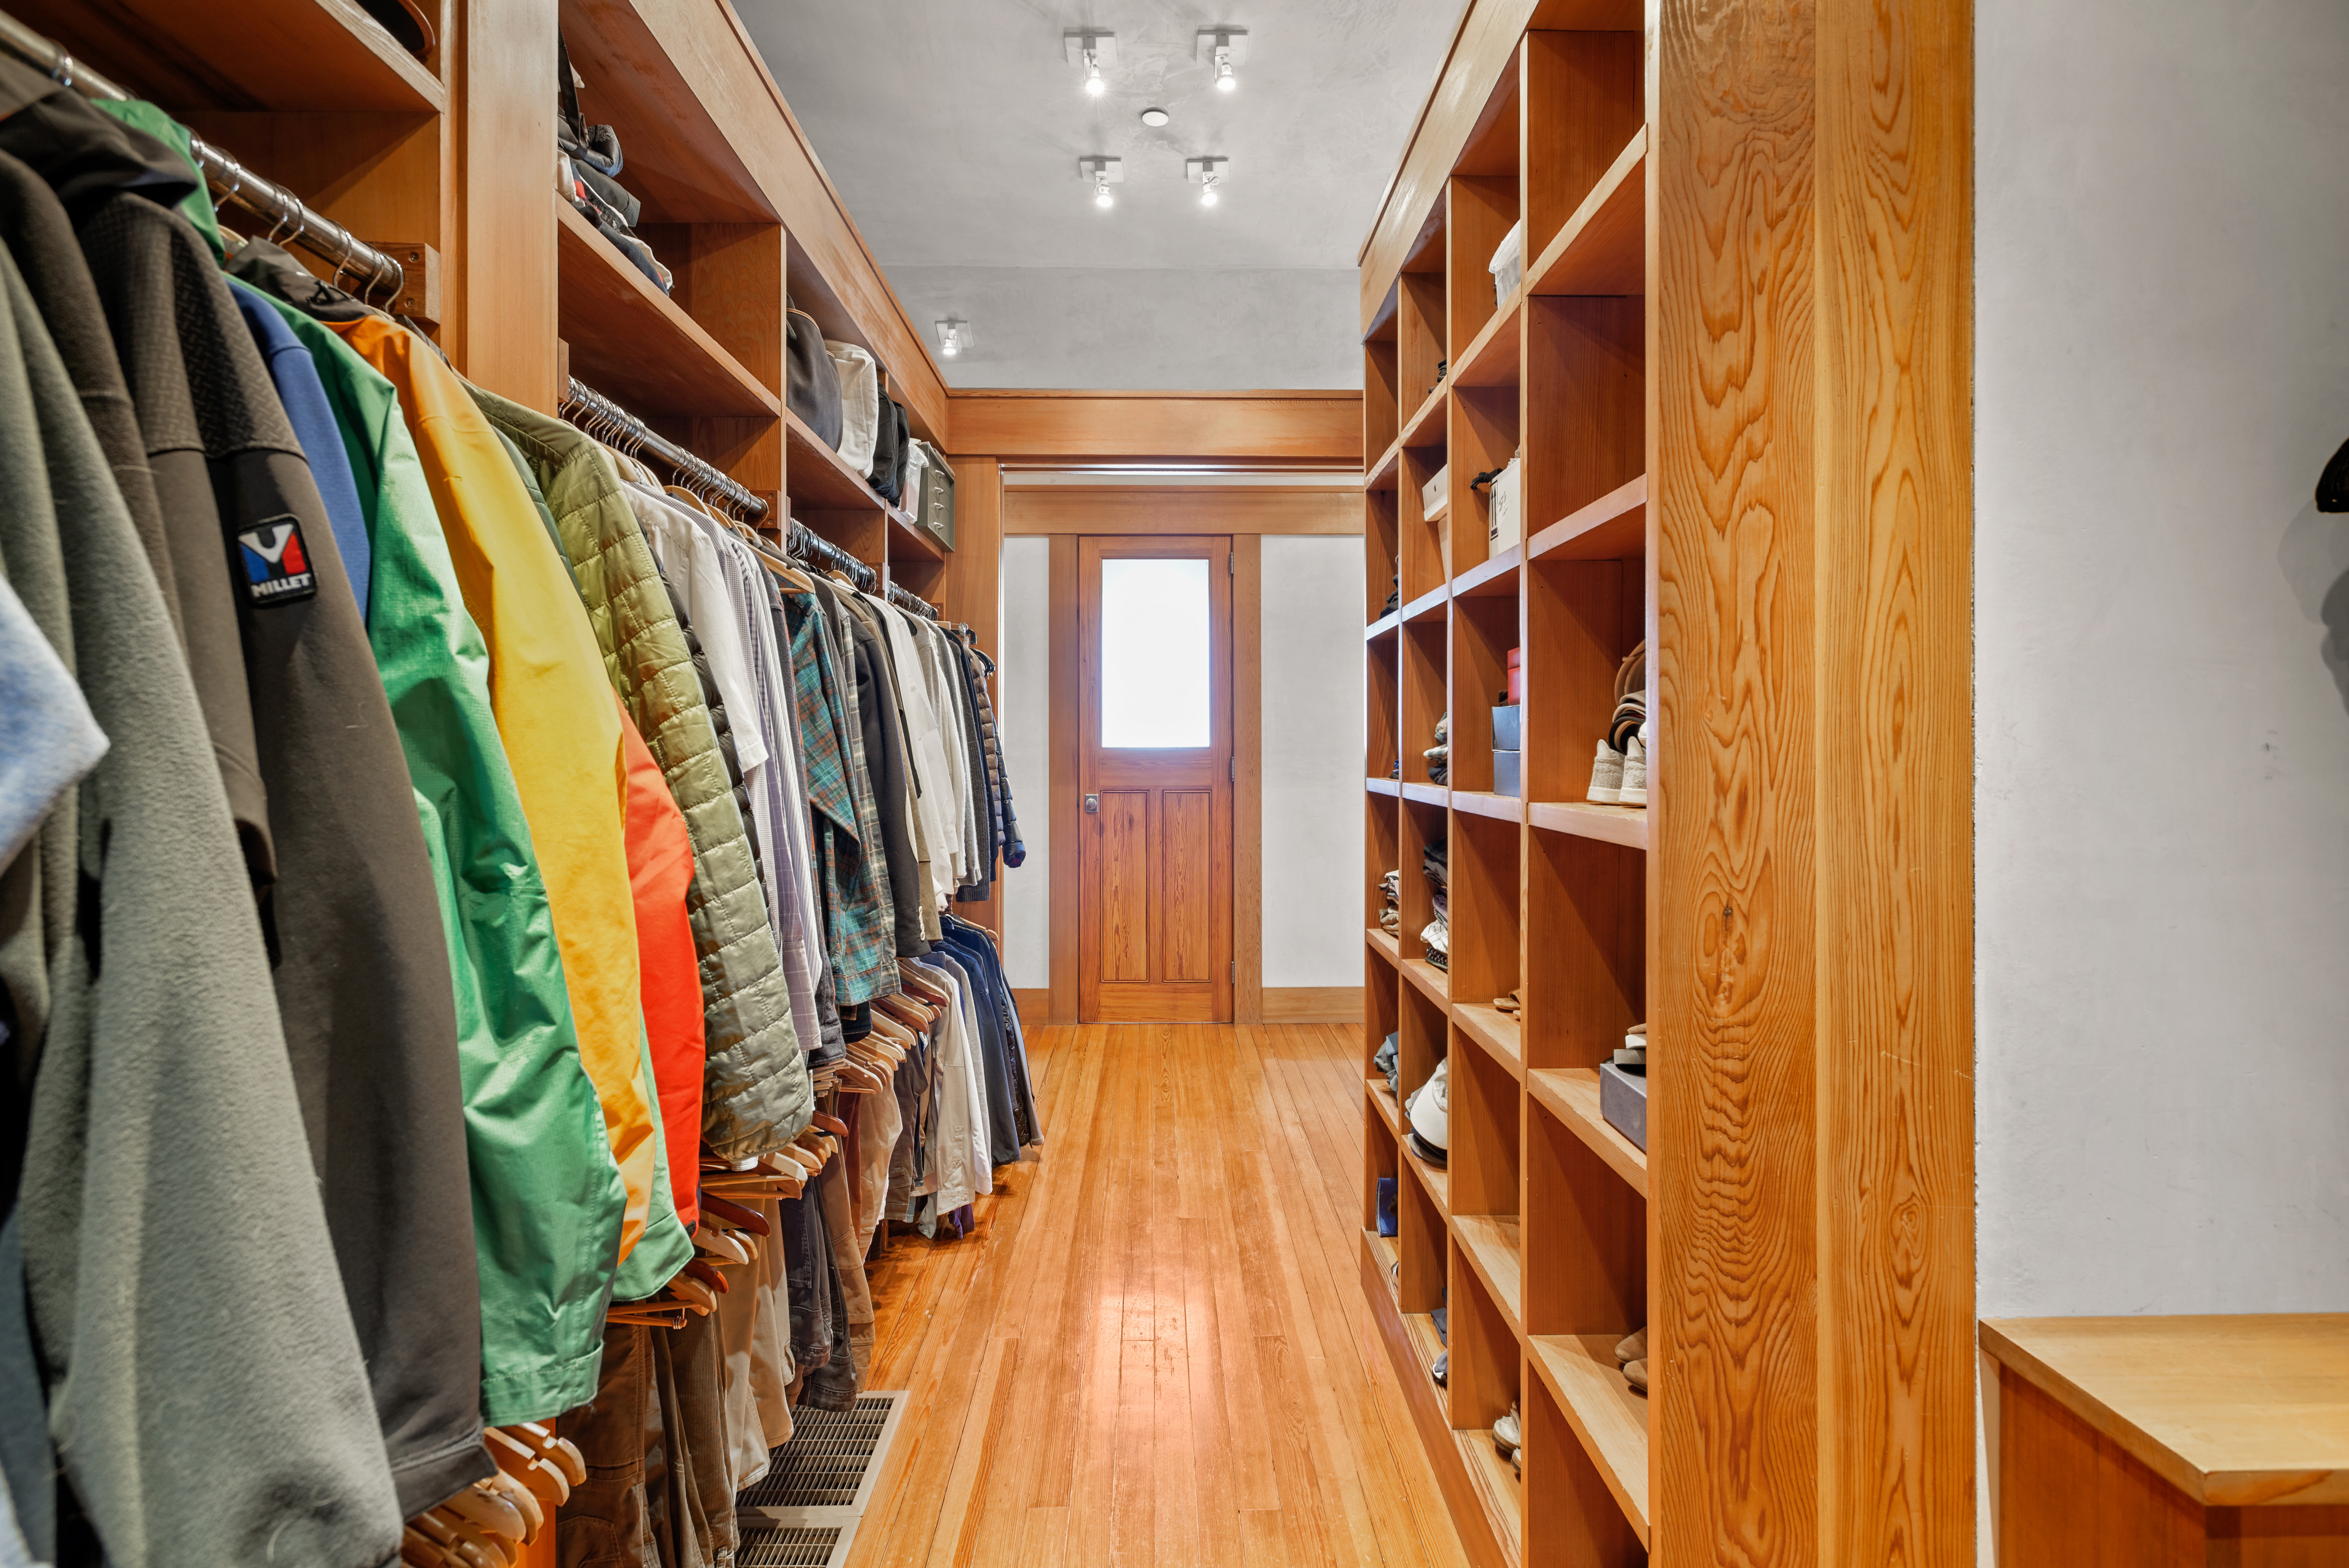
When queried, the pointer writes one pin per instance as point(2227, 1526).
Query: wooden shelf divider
point(1599, 1404)
point(1572, 1094)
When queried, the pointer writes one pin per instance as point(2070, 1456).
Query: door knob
point(1092, 805)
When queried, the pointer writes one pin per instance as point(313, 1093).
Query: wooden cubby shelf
point(1494, 1030)
point(1430, 605)
point(1498, 1488)
point(1572, 1094)
point(634, 344)
point(1435, 1179)
point(1492, 360)
point(320, 55)
point(1386, 946)
point(1607, 1414)
point(1385, 626)
point(1426, 794)
point(1389, 788)
point(1624, 825)
point(1382, 1101)
point(1431, 981)
point(1490, 1246)
point(1602, 248)
point(1484, 803)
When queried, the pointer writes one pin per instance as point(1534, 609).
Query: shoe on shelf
point(1634, 791)
point(1633, 1053)
point(1636, 1374)
point(1632, 1346)
point(1443, 1367)
point(1508, 1433)
point(1607, 777)
point(1511, 1004)
point(1430, 1109)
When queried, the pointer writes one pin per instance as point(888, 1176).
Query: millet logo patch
point(276, 567)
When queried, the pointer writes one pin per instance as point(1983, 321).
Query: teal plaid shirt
point(860, 926)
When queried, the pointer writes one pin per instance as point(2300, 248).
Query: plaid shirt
point(859, 925)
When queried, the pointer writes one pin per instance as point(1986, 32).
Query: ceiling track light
point(1102, 172)
point(1208, 174)
point(1089, 51)
point(1224, 48)
point(954, 335)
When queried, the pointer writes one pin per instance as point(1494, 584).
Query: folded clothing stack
point(1389, 916)
point(588, 166)
point(1439, 756)
point(1436, 937)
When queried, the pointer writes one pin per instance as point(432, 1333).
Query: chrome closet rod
point(907, 599)
point(805, 541)
point(228, 179)
point(699, 474)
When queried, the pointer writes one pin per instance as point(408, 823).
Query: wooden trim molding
point(1313, 1004)
point(1236, 510)
point(1247, 778)
point(1299, 427)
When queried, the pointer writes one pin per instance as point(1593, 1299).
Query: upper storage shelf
point(313, 55)
point(631, 342)
point(681, 163)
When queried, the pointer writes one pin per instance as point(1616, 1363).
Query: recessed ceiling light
point(1155, 117)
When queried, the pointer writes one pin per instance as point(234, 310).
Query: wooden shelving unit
point(1540, 1199)
point(1743, 422)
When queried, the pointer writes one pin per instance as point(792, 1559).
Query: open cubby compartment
point(1425, 562)
point(1586, 1238)
point(1585, 401)
point(1484, 905)
point(1378, 1144)
point(1481, 202)
point(1483, 1115)
point(1483, 1338)
point(1585, 912)
point(1484, 630)
point(1572, 1516)
point(1424, 677)
point(1382, 557)
point(1382, 393)
point(1484, 437)
point(1583, 618)
point(1382, 853)
point(1584, 102)
point(1420, 1242)
point(1420, 1025)
point(1421, 350)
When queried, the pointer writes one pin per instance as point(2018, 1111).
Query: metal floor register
point(804, 1512)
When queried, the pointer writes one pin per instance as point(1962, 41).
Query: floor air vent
point(804, 1513)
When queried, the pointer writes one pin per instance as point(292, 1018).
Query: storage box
point(1436, 492)
point(1509, 777)
point(1506, 729)
point(1508, 263)
point(1623, 1101)
point(1505, 521)
point(932, 498)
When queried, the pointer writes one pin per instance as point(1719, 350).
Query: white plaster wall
point(1024, 681)
point(1312, 658)
point(2162, 803)
point(1144, 329)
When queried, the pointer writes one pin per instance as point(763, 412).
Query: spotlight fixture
point(1224, 47)
point(954, 335)
point(1207, 173)
point(1091, 51)
point(1103, 173)
point(1155, 117)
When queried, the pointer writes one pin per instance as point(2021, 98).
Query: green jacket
point(756, 1095)
point(547, 1197)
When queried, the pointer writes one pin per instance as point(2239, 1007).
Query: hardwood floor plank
point(1153, 1348)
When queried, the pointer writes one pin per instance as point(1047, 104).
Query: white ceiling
point(952, 129)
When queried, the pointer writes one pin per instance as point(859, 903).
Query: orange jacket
point(660, 869)
point(554, 712)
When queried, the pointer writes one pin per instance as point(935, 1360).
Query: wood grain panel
point(1124, 883)
point(1062, 806)
point(1582, 94)
point(1247, 780)
point(1185, 924)
point(501, 327)
point(1241, 510)
point(1894, 629)
point(1734, 1320)
point(1215, 427)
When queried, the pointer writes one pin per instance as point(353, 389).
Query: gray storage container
point(1623, 1101)
point(1506, 778)
point(1508, 729)
point(934, 509)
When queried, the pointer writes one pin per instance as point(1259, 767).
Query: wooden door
point(1155, 765)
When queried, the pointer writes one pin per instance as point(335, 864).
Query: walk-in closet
point(1405, 784)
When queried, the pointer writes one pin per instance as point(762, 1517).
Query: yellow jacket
point(554, 712)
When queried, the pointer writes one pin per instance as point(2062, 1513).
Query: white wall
point(2162, 803)
point(1312, 658)
point(1027, 720)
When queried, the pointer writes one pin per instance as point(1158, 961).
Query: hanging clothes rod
point(601, 416)
point(808, 544)
point(229, 179)
point(904, 600)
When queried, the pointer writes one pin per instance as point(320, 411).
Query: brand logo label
point(276, 567)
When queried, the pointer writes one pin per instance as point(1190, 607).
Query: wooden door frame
point(1247, 787)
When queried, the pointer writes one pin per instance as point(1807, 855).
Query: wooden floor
point(1154, 1348)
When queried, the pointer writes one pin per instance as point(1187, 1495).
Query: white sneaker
point(1607, 776)
point(1634, 791)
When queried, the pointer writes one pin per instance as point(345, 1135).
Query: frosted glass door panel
point(1154, 656)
